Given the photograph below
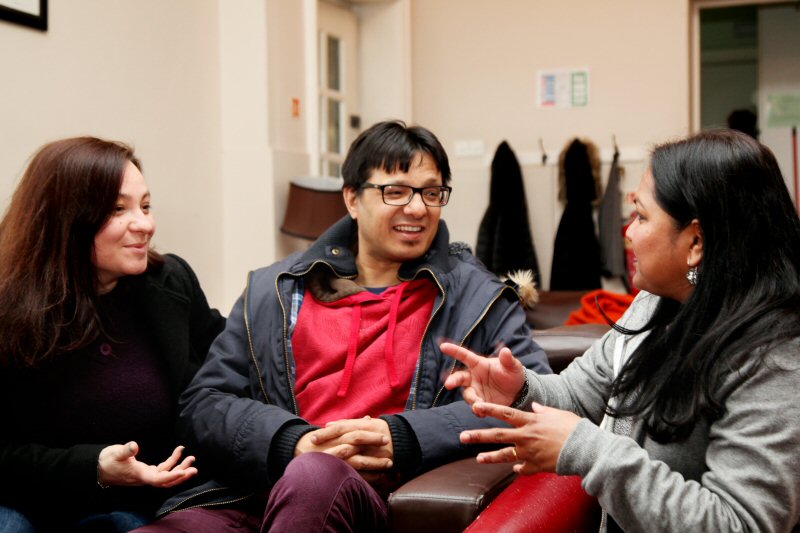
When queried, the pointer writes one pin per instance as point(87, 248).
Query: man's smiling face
point(395, 234)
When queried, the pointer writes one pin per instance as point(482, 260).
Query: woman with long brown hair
point(99, 334)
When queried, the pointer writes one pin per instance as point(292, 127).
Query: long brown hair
point(48, 282)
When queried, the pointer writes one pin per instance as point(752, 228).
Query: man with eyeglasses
point(325, 391)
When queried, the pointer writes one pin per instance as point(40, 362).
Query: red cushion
point(540, 503)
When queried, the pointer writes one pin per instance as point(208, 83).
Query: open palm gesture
point(491, 379)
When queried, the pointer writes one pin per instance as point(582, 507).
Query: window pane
point(334, 64)
point(334, 144)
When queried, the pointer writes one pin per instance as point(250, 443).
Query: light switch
point(469, 148)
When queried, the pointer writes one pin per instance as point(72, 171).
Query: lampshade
point(315, 203)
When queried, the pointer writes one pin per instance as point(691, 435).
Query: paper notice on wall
point(783, 110)
point(563, 88)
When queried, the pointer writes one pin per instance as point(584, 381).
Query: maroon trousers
point(318, 492)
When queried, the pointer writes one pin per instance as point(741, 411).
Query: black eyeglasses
point(398, 195)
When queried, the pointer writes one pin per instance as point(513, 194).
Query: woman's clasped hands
point(490, 385)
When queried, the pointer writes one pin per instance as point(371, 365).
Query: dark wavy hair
point(48, 281)
point(391, 146)
point(747, 298)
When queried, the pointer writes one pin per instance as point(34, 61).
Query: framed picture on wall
point(31, 13)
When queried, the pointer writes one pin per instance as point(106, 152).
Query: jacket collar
point(335, 247)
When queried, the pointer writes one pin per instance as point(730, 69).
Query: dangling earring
point(691, 275)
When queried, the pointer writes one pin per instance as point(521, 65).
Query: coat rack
point(544, 153)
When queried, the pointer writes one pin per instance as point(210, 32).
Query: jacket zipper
point(177, 506)
point(250, 337)
point(286, 326)
point(422, 341)
point(260, 379)
point(425, 333)
point(471, 329)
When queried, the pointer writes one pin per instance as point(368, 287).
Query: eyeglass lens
point(401, 195)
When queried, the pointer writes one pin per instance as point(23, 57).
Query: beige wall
point(474, 67)
point(243, 209)
point(203, 88)
point(475, 62)
point(145, 72)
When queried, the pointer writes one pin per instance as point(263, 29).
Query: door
point(338, 84)
point(746, 57)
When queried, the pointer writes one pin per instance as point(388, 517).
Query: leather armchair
point(553, 308)
point(545, 503)
point(449, 498)
point(562, 344)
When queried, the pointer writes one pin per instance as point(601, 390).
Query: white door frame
point(694, 48)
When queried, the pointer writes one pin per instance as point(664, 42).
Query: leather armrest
point(544, 503)
point(447, 498)
point(450, 497)
point(562, 344)
point(553, 308)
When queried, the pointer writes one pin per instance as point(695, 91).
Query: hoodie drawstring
point(388, 349)
point(352, 349)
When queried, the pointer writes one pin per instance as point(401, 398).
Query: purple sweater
point(113, 391)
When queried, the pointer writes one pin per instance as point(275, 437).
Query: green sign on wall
point(783, 110)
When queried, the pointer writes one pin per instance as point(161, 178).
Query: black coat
point(505, 243)
point(44, 481)
point(609, 219)
point(576, 252)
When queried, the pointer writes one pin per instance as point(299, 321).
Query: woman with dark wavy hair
point(99, 334)
point(684, 417)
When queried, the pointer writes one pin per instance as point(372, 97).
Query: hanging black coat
point(576, 253)
point(609, 221)
point(504, 236)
